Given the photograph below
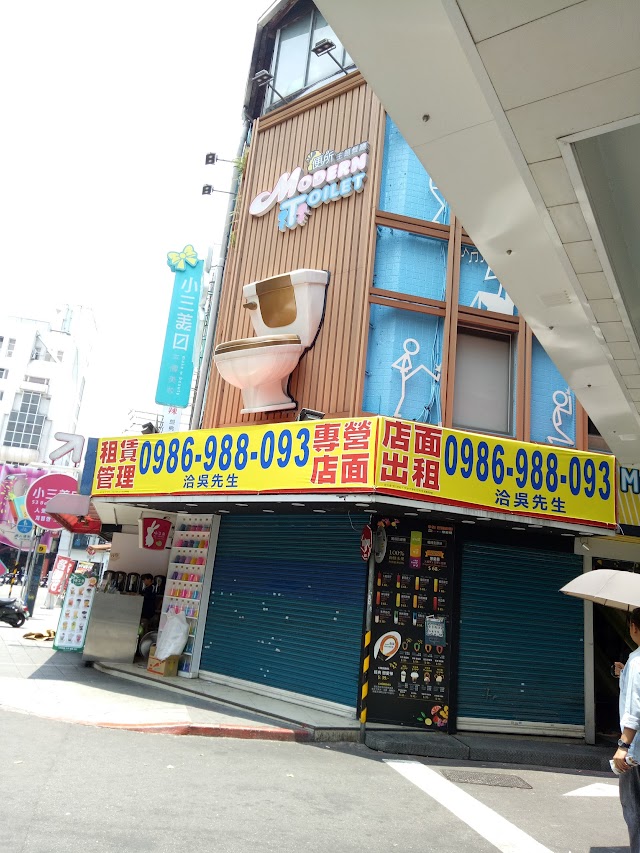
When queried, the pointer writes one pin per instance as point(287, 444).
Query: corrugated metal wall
point(287, 604)
point(338, 237)
point(521, 641)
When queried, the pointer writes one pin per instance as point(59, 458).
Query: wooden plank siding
point(338, 237)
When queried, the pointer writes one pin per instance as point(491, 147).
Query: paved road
point(82, 788)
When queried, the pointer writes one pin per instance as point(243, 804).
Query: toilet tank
point(292, 303)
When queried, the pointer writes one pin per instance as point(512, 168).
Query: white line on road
point(598, 789)
point(487, 823)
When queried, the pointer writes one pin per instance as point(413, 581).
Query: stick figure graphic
point(563, 406)
point(405, 365)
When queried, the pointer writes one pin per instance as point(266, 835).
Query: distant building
point(43, 369)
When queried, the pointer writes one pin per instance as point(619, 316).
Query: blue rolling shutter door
point(287, 604)
point(521, 641)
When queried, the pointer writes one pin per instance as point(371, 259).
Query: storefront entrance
point(521, 664)
point(287, 604)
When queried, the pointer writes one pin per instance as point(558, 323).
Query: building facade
point(43, 369)
point(416, 326)
point(353, 296)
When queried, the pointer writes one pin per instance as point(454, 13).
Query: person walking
point(627, 755)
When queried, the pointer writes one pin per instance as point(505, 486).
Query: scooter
point(13, 612)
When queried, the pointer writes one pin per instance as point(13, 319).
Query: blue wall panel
point(403, 343)
point(553, 404)
point(408, 263)
point(479, 286)
point(406, 187)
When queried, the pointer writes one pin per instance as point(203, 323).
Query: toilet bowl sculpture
point(286, 312)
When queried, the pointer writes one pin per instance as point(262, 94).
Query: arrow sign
point(73, 444)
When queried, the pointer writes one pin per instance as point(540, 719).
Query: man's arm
point(630, 720)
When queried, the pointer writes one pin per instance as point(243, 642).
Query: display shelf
point(195, 548)
point(188, 561)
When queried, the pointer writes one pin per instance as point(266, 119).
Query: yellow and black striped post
point(366, 650)
point(364, 687)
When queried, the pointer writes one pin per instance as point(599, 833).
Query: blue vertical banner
point(176, 367)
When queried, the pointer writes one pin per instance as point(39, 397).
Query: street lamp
point(263, 78)
point(324, 48)
point(211, 159)
point(310, 415)
point(207, 189)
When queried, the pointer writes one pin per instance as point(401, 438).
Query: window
point(40, 352)
point(1, 341)
point(36, 380)
point(11, 345)
point(24, 427)
point(3, 372)
point(483, 397)
point(1, 394)
point(60, 355)
point(294, 66)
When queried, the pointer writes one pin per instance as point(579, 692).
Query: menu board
point(411, 625)
point(74, 618)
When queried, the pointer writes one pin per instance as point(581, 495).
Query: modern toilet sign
point(330, 176)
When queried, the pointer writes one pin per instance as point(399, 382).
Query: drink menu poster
point(76, 610)
point(409, 670)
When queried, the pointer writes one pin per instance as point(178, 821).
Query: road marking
point(483, 820)
point(598, 789)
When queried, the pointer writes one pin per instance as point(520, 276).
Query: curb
point(204, 730)
point(492, 749)
point(273, 733)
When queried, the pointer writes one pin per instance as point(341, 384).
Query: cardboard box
point(168, 667)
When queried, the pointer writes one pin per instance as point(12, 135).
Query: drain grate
point(495, 780)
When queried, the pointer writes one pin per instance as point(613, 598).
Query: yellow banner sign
point(365, 455)
point(629, 496)
point(495, 473)
point(335, 455)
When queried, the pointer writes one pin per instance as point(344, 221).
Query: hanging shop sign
point(176, 367)
point(409, 675)
point(62, 569)
point(171, 420)
point(386, 455)
point(75, 613)
point(366, 542)
point(154, 533)
point(40, 493)
point(330, 176)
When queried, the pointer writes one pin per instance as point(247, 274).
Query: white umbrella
point(610, 587)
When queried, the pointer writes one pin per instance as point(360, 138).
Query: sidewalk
point(34, 679)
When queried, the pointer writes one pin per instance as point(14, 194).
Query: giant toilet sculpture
point(286, 312)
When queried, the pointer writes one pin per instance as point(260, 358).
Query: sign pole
point(30, 588)
point(27, 563)
point(366, 651)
